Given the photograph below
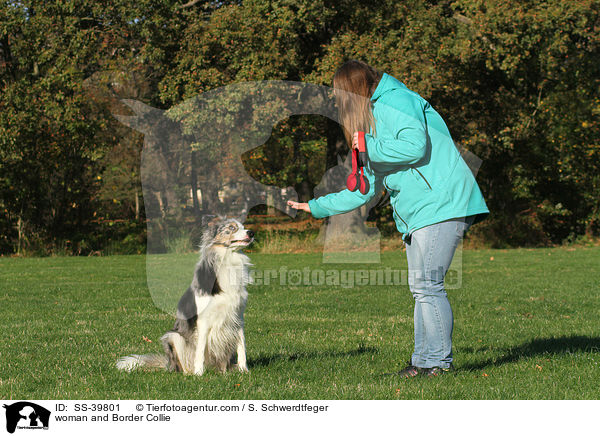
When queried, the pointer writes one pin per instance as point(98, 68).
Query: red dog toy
point(359, 158)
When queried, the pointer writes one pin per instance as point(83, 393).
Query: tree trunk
point(20, 235)
point(194, 185)
point(137, 205)
point(270, 201)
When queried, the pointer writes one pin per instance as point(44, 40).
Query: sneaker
point(434, 372)
point(409, 372)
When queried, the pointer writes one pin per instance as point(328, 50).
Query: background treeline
point(518, 83)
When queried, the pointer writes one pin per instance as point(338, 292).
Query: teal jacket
point(414, 157)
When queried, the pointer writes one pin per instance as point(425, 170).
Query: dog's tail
point(134, 361)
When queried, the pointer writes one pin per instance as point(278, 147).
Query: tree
point(53, 133)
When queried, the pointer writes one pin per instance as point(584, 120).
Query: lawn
point(527, 326)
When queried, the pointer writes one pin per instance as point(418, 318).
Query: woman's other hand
point(300, 206)
point(355, 140)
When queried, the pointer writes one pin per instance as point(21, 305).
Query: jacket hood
point(386, 84)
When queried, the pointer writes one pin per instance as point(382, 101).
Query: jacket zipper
point(423, 177)
point(395, 213)
point(404, 222)
point(406, 225)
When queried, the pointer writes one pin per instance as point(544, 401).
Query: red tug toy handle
point(359, 158)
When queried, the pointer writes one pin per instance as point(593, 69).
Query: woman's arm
point(340, 202)
point(406, 120)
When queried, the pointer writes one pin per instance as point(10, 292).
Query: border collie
point(209, 329)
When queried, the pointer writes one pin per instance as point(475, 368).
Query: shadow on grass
point(537, 347)
point(312, 355)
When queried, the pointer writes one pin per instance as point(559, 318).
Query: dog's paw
point(242, 368)
point(198, 370)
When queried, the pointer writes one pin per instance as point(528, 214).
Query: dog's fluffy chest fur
point(227, 305)
point(221, 315)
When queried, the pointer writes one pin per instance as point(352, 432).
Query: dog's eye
point(232, 228)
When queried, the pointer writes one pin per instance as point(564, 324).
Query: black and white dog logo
point(26, 415)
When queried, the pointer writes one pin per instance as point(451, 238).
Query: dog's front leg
point(200, 349)
point(241, 351)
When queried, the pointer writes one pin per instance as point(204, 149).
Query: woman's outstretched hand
point(301, 206)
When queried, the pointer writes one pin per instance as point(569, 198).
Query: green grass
point(526, 327)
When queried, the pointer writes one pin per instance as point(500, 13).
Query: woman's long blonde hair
point(359, 81)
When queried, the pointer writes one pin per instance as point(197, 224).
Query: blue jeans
point(429, 252)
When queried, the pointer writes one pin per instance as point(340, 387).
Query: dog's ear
point(210, 227)
point(209, 220)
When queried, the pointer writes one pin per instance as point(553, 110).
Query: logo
point(26, 415)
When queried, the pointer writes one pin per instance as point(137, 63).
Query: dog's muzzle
point(246, 241)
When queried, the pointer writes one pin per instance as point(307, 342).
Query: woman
point(433, 194)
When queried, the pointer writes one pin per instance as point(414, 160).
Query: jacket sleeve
point(345, 200)
point(406, 119)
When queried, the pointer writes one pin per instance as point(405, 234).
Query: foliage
point(54, 135)
point(294, 155)
point(517, 83)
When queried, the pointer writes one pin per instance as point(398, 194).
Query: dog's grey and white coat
point(209, 329)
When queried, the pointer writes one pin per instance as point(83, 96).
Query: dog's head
point(227, 232)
